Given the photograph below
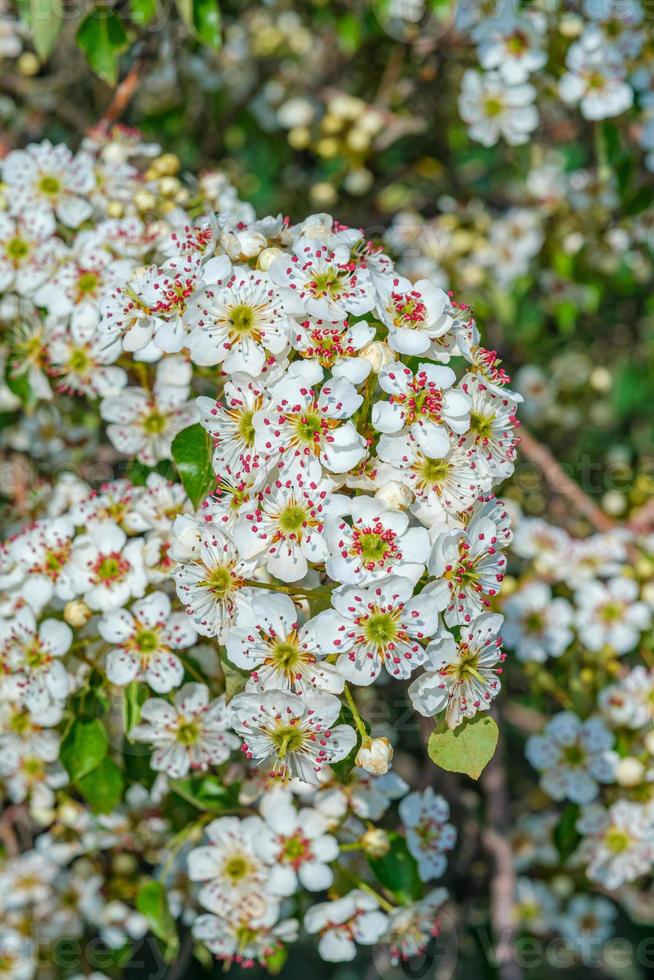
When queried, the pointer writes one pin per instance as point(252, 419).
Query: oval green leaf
point(192, 453)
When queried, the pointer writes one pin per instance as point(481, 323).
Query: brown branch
point(642, 518)
point(559, 482)
point(503, 881)
point(121, 97)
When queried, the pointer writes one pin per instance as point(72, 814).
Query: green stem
point(365, 887)
point(290, 590)
point(358, 721)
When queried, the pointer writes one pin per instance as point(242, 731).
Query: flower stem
point(358, 720)
point(365, 887)
point(289, 589)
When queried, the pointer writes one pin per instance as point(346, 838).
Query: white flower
point(631, 701)
point(443, 486)
point(28, 250)
point(268, 641)
point(537, 626)
point(144, 424)
point(377, 544)
point(410, 928)
point(251, 934)
point(43, 552)
point(340, 346)
point(210, 583)
point(618, 844)
point(291, 734)
point(17, 955)
point(106, 569)
point(284, 524)
point(587, 919)
point(464, 676)
point(83, 363)
point(238, 322)
point(295, 845)
point(416, 314)
point(322, 282)
point(511, 44)
point(609, 614)
point(162, 298)
point(26, 733)
point(78, 286)
point(303, 425)
point(33, 653)
point(573, 756)
point(230, 423)
point(424, 403)
point(428, 834)
point(192, 733)
point(596, 76)
point(49, 178)
point(145, 637)
point(492, 427)
point(381, 625)
point(536, 906)
point(491, 108)
point(365, 795)
point(343, 923)
point(468, 567)
point(228, 864)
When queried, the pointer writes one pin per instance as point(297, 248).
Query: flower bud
point(267, 257)
point(169, 186)
point(167, 165)
point(28, 64)
point(145, 201)
point(375, 756)
point(378, 354)
point(629, 771)
point(394, 495)
point(77, 613)
point(115, 209)
point(375, 842)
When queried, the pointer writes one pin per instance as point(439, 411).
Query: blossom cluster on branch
point(310, 444)
point(579, 618)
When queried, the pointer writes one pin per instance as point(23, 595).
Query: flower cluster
point(597, 54)
point(580, 618)
point(310, 444)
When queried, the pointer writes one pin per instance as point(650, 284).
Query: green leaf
point(143, 12)
point(133, 697)
point(192, 454)
point(566, 835)
point(152, 903)
point(102, 38)
point(469, 748)
point(276, 961)
point(84, 748)
point(185, 11)
point(235, 679)
point(45, 19)
point(207, 22)
point(206, 792)
point(103, 787)
point(398, 871)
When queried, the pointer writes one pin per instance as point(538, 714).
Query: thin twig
point(559, 482)
point(642, 519)
point(503, 882)
point(121, 97)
